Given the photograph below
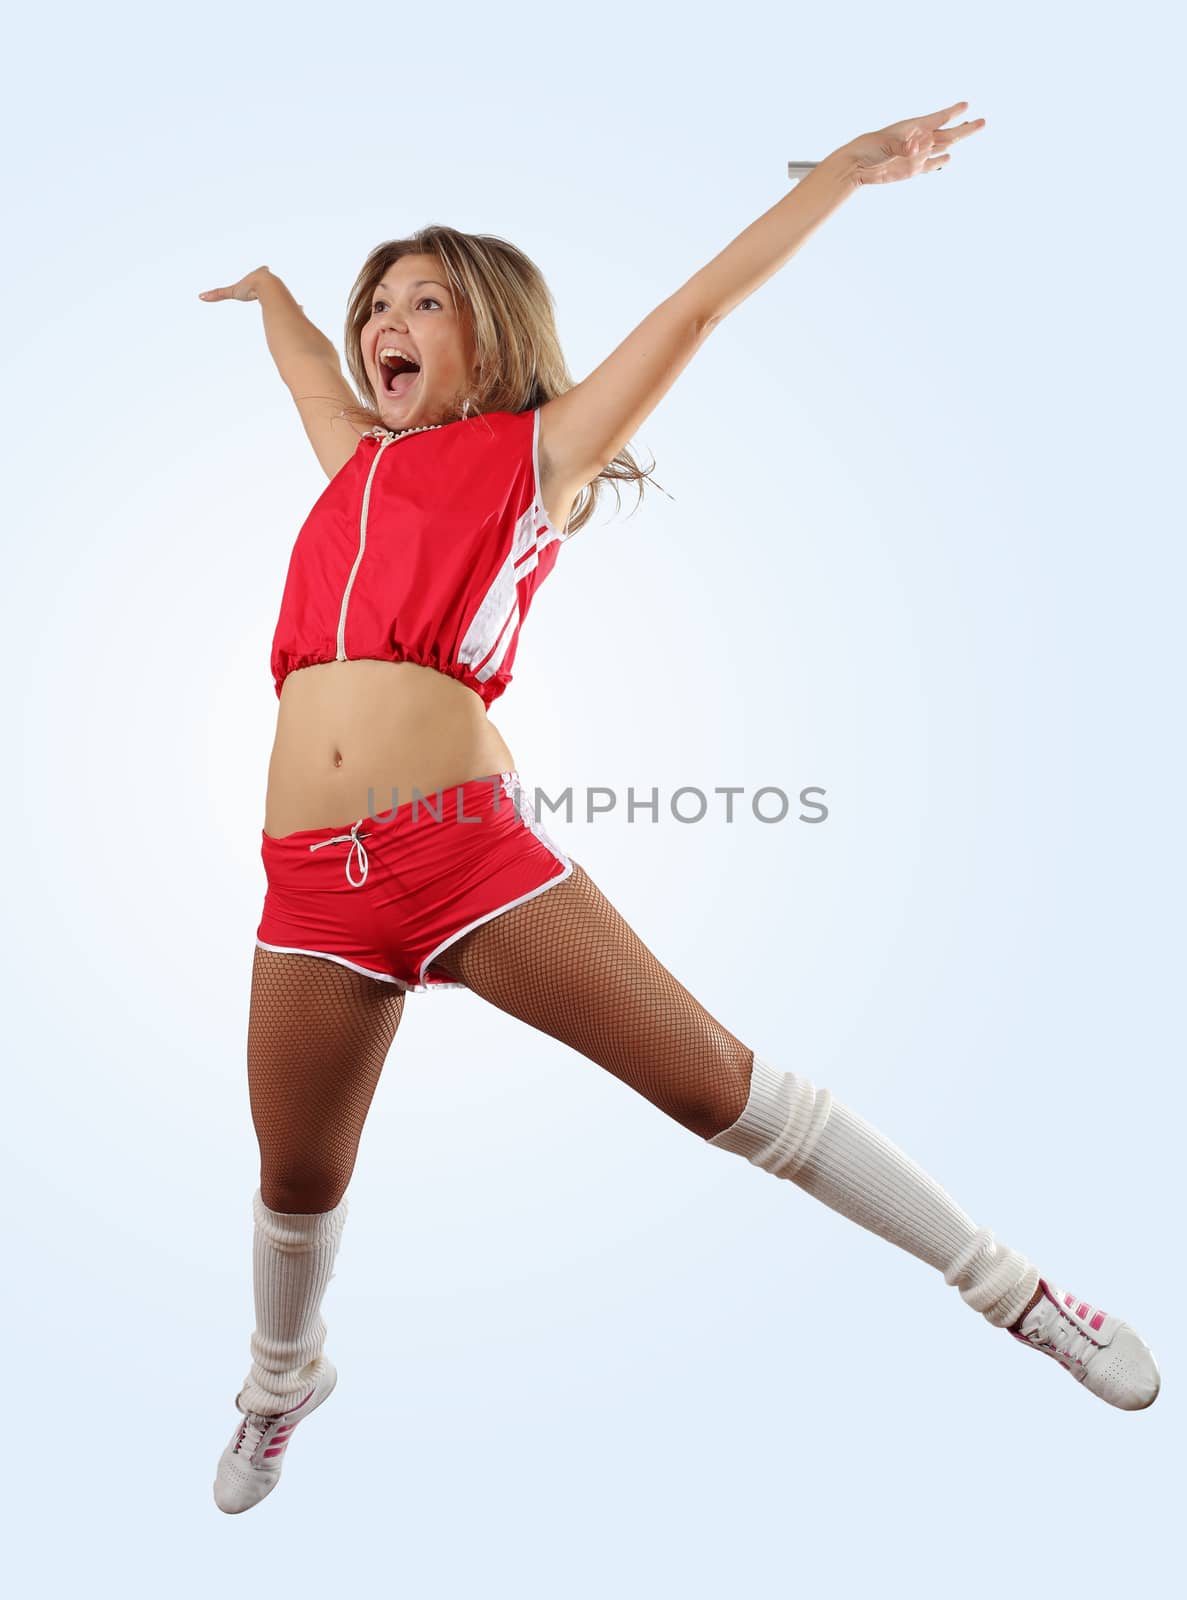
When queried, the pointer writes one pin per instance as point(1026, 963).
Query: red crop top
point(426, 548)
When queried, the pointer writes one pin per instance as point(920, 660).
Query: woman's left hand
point(919, 144)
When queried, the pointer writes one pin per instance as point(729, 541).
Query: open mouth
point(399, 378)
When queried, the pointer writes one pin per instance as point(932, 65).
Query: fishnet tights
point(317, 1038)
point(565, 962)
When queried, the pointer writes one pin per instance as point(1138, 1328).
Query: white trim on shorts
point(368, 972)
point(490, 915)
point(531, 822)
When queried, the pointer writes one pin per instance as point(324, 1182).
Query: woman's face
point(413, 311)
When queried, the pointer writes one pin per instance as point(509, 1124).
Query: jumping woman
point(406, 590)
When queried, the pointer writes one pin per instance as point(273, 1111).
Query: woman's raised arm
point(917, 144)
point(291, 337)
point(308, 363)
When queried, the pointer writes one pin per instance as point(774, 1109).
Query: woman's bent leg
point(567, 963)
point(318, 1036)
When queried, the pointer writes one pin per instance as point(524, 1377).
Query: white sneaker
point(1101, 1352)
point(249, 1468)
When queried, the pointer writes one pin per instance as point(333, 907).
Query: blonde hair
point(507, 311)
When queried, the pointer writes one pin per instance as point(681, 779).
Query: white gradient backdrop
point(924, 550)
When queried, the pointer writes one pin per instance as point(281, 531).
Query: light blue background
point(924, 550)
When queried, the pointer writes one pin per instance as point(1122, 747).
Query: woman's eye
point(427, 300)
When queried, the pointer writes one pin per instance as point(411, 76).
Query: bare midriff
point(348, 733)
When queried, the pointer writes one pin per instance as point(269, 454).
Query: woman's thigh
point(567, 963)
point(317, 1037)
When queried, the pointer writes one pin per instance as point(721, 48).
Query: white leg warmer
point(292, 1260)
point(795, 1130)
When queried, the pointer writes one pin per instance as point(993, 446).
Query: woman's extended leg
point(567, 963)
point(318, 1035)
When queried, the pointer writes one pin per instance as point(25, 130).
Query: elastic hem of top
point(459, 673)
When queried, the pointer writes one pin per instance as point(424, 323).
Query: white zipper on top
point(341, 655)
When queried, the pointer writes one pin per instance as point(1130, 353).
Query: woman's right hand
point(917, 144)
point(246, 289)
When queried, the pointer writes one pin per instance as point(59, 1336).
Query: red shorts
point(389, 894)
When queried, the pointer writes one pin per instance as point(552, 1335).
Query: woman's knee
point(707, 1114)
point(701, 1087)
point(304, 1187)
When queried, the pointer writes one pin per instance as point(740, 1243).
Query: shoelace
point(1058, 1332)
point(355, 841)
point(251, 1434)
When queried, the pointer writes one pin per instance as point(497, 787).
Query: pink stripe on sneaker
point(1083, 1309)
point(1097, 1321)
